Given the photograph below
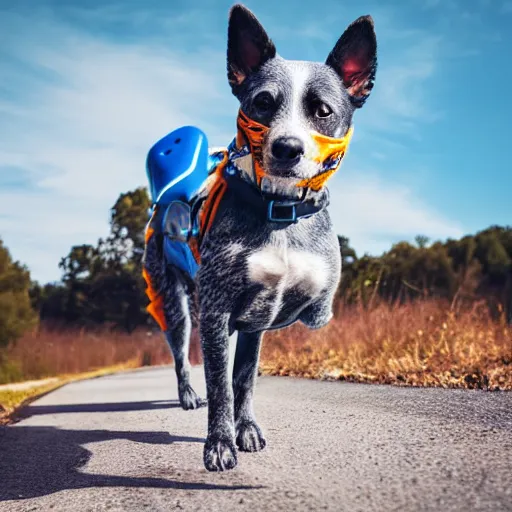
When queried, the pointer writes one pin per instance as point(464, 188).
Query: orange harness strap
point(210, 207)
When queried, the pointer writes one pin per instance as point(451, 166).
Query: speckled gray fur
point(239, 286)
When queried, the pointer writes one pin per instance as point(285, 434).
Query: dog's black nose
point(287, 148)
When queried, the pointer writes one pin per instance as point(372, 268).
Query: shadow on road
point(34, 410)
point(37, 461)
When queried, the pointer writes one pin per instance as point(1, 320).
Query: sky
point(87, 87)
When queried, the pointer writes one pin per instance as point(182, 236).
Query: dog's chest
point(286, 268)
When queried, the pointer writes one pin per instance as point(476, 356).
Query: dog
point(270, 257)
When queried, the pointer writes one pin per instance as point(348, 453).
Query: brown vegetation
point(47, 353)
point(418, 344)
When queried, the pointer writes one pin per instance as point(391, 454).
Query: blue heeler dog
point(270, 256)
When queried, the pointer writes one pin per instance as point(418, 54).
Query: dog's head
point(294, 99)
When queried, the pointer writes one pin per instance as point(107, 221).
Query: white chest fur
point(288, 268)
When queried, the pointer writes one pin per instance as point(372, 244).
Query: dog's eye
point(322, 110)
point(263, 103)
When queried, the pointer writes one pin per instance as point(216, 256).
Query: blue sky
point(87, 87)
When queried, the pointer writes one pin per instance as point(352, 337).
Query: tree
point(128, 219)
point(348, 254)
point(102, 284)
point(81, 263)
point(422, 241)
point(50, 301)
point(16, 313)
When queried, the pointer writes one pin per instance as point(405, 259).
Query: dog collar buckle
point(282, 211)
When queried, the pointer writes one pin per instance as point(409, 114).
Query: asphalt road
point(122, 443)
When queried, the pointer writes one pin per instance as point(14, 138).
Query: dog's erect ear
point(248, 45)
point(354, 58)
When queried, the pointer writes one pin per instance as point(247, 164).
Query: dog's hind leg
point(249, 437)
point(179, 341)
point(176, 294)
point(178, 337)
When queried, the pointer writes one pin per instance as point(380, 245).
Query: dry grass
point(421, 344)
point(49, 353)
point(12, 400)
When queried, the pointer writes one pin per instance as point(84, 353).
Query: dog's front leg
point(219, 449)
point(249, 437)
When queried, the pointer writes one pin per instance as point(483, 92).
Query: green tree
point(128, 219)
point(348, 254)
point(81, 263)
point(103, 284)
point(16, 312)
point(422, 241)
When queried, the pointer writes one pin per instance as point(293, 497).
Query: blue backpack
point(177, 165)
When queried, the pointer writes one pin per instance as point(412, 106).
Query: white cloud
point(374, 214)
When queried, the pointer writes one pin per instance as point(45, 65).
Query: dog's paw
point(219, 454)
point(249, 437)
point(189, 399)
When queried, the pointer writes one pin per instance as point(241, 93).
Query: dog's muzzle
point(328, 153)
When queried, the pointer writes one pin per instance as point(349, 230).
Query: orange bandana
point(329, 152)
